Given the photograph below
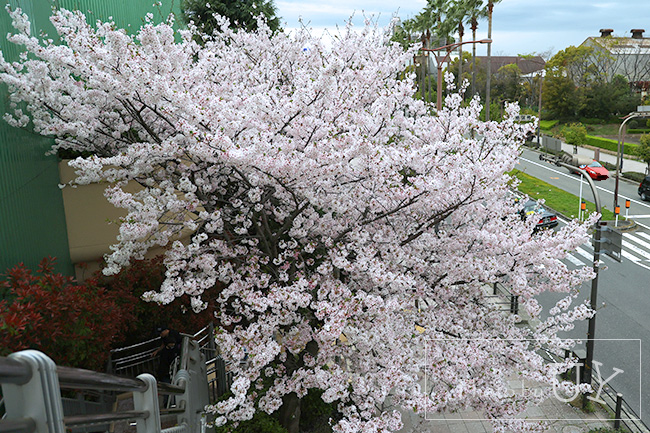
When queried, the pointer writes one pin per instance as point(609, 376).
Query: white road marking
point(573, 260)
point(621, 197)
point(633, 238)
point(643, 235)
point(586, 255)
point(632, 247)
point(630, 257)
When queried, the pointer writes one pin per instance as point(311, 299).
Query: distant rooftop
point(622, 44)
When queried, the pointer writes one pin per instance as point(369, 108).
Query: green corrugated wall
point(32, 220)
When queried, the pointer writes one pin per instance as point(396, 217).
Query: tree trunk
point(489, 63)
point(474, 27)
point(290, 413)
point(460, 54)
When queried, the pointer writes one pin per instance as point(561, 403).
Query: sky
point(519, 26)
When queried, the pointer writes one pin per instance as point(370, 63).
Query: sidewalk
point(628, 164)
point(559, 417)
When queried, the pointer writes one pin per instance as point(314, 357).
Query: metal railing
point(501, 296)
point(32, 384)
point(623, 414)
point(136, 359)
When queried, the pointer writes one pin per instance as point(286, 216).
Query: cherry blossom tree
point(354, 231)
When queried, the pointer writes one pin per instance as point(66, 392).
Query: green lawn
point(555, 198)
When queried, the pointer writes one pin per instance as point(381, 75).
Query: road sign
point(611, 241)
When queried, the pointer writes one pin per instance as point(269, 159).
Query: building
point(37, 218)
point(527, 65)
point(628, 56)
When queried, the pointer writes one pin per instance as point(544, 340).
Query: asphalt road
point(623, 318)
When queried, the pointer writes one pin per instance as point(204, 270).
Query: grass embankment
point(555, 198)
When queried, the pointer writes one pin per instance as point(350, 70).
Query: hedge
point(638, 131)
point(609, 144)
point(547, 124)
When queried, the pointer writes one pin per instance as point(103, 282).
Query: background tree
point(475, 11)
point(507, 84)
point(324, 204)
point(643, 150)
point(582, 65)
point(241, 13)
point(575, 134)
point(559, 95)
point(577, 84)
point(490, 10)
point(604, 100)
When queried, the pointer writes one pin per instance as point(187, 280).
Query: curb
point(621, 178)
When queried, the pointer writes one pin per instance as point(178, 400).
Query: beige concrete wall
point(92, 222)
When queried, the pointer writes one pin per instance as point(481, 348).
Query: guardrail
point(32, 384)
point(220, 376)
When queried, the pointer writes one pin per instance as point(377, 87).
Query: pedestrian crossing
point(636, 249)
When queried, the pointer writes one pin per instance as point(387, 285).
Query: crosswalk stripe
point(587, 256)
point(629, 256)
point(635, 239)
point(639, 251)
point(573, 260)
point(644, 235)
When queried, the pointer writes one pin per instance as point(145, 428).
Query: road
point(623, 317)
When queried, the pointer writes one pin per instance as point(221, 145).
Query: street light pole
point(449, 48)
point(539, 106)
point(642, 111)
point(591, 331)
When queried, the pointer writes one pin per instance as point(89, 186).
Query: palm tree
point(474, 10)
point(490, 7)
point(461, 9)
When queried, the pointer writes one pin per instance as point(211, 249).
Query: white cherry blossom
point(352, 229)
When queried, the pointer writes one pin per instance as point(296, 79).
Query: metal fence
point(32, 384)
point(136, 359)
point(501, 296)
point(622, 413)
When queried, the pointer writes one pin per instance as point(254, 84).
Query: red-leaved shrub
point(74, 324)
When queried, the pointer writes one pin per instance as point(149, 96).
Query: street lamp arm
point(444, 59)
point(619, 145)
point(592, 185)
point(457, 44)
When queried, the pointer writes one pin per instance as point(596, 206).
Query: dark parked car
point(546, 220)
point(644, 188)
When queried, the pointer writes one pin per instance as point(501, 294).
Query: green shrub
point(315, 413)
point(608, 166)
point(547, 124)
point(609, 144)
point(634, 123)
point(592, 121)
point(575, 133)
point(260, 423)
point(638, 131)
point(634, 175)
